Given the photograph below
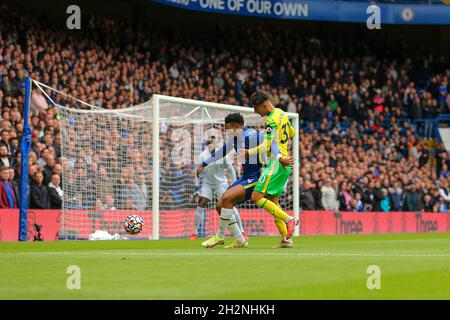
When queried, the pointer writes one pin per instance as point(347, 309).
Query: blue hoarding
point(339, 11)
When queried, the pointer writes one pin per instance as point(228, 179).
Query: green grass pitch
point(413, 266)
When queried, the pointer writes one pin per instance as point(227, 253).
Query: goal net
point(142, 160)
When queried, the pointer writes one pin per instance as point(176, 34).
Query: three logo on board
point(350, 226)
point(354, 226)
point(424, 225)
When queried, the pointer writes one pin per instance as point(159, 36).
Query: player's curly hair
point(259, 97)
point(234, 118)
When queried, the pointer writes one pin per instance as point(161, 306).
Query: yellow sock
point(281, 226)
point(272, 208)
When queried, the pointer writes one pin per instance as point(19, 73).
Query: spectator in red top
point(15, 185)
point(7, 197)
point(378, 102)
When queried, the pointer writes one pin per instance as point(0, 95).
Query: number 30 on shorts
point(262, 179)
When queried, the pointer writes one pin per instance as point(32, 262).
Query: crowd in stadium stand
point(361, 149)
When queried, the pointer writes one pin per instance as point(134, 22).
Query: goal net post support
point(142, 160)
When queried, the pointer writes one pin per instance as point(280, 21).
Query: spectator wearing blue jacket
point(385, 203)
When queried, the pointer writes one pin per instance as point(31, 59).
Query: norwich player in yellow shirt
point(271, 183)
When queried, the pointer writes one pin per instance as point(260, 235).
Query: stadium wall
point(259, 224)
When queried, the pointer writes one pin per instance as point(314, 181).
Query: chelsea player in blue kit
point(238, 139)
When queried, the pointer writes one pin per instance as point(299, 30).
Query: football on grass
point(133, 224)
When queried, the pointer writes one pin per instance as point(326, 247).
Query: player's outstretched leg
point(282, 229)
point(225, 207)
point(269, 188)
point(227, 202)
point(240, 242)
point(264, 202)
point(239, 222)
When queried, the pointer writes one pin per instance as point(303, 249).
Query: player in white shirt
point(213, 181)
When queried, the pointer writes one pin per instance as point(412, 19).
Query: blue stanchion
point(25, 152)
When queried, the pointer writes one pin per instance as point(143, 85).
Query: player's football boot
point(284, 244)
point(245, 235)
point(213, 242)
point(291, 227)
point(193, 237)
point(237, 244)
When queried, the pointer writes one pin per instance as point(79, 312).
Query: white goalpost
point(216, 114)
point(142, 159)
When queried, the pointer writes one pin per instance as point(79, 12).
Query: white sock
point(225, 217)
point(198, 218)
point(238, 219)
point(235, 230)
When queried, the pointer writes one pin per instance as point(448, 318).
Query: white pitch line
point(250, 254)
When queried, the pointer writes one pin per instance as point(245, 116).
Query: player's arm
point(220, 153)
point(262, 147)
point(273, 149)
point(284, 160)
point(288, 161)
point(216, 155)
point(230, 169)
point(291, 130)
point(266, 144)
point(231, 172)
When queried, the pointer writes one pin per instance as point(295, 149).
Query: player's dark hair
point(210, 140)
point(234, 118)
point(259, 97)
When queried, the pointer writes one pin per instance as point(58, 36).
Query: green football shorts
point(273, 179)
